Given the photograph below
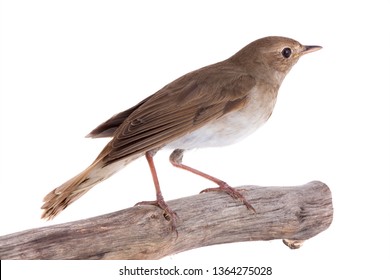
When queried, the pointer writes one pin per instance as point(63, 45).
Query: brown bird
point(213, 106)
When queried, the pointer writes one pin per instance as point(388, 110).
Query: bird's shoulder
point(219, 83)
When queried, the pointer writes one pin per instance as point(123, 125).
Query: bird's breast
point(233, 126)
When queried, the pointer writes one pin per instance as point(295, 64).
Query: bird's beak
point(309, 49)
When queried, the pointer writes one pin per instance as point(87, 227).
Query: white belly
point(231, 127)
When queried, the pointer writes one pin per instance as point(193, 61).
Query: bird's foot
point(224, 187)
point(169, 214)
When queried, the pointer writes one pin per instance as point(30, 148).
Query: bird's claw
point(224, 187)
point(169, 214)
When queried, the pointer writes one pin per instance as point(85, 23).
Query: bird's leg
point(176, 159)
point(159, 202)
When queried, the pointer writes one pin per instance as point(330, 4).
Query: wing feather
point(179, 108)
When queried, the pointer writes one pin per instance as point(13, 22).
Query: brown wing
point(179, 108)
point(108, 128)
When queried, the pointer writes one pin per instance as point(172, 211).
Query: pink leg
point(159, 202)
point(176, 159)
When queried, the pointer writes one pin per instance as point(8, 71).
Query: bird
point(217, 105)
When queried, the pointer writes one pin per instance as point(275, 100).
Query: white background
point(67, 66)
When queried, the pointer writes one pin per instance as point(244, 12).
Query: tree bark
point(293, 214)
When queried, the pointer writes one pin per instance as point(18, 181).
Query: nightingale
point(213, 106)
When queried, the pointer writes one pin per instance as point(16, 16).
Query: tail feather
point(59, 198)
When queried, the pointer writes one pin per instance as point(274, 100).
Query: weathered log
point(293, 214)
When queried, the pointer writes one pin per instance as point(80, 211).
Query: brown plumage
point(212, 106)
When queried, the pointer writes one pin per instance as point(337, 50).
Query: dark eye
point(286, 52)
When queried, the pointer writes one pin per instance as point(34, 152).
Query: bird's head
point(272, 55)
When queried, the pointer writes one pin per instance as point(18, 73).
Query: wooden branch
point(290, 213)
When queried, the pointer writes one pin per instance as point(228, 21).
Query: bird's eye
point(286, 52)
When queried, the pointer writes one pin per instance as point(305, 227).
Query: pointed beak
point(309, 49)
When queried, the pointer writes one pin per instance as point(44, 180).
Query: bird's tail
point(59, 198)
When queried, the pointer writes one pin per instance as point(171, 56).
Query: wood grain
point(293, 214)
